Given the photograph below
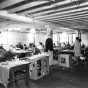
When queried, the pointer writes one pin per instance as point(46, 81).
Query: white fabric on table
point(5, 68)
point(50, 57)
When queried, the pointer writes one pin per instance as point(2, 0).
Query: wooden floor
point(59, 79)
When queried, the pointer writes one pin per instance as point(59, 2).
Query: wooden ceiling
point(66, 13)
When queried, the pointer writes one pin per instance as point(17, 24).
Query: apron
point(50, 57)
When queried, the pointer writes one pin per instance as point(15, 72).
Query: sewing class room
point(43, 44)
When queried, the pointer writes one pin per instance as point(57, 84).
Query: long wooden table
point(5, 68)
point(22, 53)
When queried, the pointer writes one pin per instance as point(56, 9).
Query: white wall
point(8, 38)
point(13, 37)
point(40, 37)
point(84, 37)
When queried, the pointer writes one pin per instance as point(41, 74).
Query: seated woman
point(41, 47)
point(25, 47)
point(5, 55)
point(2, 54)
point(19, 45)
point(35, 49)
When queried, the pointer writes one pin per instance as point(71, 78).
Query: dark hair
point(40, 43)
point(31, 44)
point(34, 45)
point(77, 38)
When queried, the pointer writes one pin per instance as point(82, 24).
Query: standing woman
point(77, 48)
point(49, 49)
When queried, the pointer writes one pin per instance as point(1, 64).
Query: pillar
point(49, 31)
point(58, 37)
point(79, 34)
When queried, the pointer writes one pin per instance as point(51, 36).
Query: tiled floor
point(59, 79)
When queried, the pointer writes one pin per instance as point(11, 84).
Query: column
point(58, 37)
point(49, 31)
point(79, 34)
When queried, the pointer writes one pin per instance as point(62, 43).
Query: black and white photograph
point(43, 43)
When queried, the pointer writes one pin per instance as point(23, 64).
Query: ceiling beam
point(9, 2)
point(60, 8)
point(69, 24)
point(65, 13)
point(27, 5)
point(68, 17)
point(72, 21)
point(45, 6)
